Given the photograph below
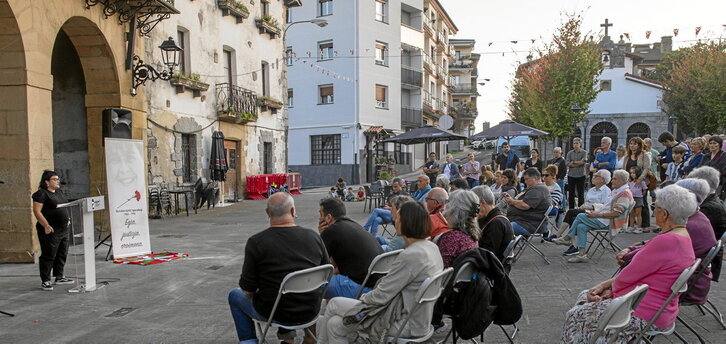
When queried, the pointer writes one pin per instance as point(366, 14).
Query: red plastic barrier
point(294, 183)
point(257, 185)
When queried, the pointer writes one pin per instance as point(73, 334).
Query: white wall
point(626, 96)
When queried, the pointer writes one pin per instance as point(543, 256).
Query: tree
point(695, 79)
point(544, 90)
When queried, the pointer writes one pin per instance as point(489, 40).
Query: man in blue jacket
point(606, 158)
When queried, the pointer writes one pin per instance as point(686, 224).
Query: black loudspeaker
point(117, 123)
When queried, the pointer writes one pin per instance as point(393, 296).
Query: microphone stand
point(6, 313)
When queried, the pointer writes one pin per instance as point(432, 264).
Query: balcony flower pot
point(184, 82)
point(267, 24)
point(268, 103)
point(234, 8)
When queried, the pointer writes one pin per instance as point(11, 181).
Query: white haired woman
point(714, 210)
point(658, 265)
point(613, 214)
point(442, 181)
point(449, 168)
point(460, 214)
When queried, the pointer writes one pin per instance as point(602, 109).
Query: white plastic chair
point(381, 264)
point(429, 292)
point(618, 314)
point(302, 281)
point(678, 287)
point(539, 231)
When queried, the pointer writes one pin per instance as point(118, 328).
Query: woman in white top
point(620, 162)
point(594, 199)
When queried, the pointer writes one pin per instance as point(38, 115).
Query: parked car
point(489, 144)
point(476, 144)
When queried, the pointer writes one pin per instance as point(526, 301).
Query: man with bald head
point(435, 202)
point(423, 187)
point(269, 256)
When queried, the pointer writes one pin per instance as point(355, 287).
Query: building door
point(267, 158)
point(230, 184)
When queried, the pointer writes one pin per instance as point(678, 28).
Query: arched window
point(601, 130)
point(638, 129)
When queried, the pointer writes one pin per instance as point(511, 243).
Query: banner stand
point(87, 206)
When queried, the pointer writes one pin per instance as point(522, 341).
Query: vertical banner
point(127, 203)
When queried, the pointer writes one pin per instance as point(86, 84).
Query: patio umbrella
point(425, 134)
point(218, 159)
point(507, 129)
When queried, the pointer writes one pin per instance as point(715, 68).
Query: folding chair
point(303, 281)
point(381, 264)
point(600, 237)
point(705, 263)
point(679, 286)
point(507, 263)
point(618, 314)
point(538, 232)
point(371, 198)
point(464, 274)
point(429, 292)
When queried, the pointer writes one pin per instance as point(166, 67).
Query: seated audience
point(361, 196)
point(349, 195)
point(459, 184)
point(497, 186)
point(435, 202)
point(613, 215)
point(496, 230)
point(350, 249)
point(714, 209)
point(460, 214)
point(340, 187)
point(269, 256)
point(395, 243)
point(527, 209)
point(422, 189)
point(376, 314)
point(658, 265)
point(487, 176)
point(595, 198)
point(331, 194)
point(383, 215)
point(549, 177)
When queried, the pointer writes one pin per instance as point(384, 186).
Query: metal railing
point(428, 61)
point(411, 76)
point(464, 88)
point(428, 99)
point(235, 99)
point(411, 116)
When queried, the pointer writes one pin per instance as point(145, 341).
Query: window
point(325, 50)
point(288, 56)
point(228, 60)
point(398, 154)
point(265, 72)
point(290, 101)
point(381, 11)
point(187, 157)
point(381, 96)
point(288, 15)
point(265, 8)
point(457, 55)
point(381, 52)
point(182, 36)
point(326, 94)
point(267, 158)
point(325, 149)
point(381, 150)
point(605, 85)
point(325, 8)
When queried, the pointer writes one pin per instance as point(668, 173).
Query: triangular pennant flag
point(675, 32)
point(532, 40)
point(698, 29)
point(647, 34)
point(310, 54)
point(490, 43)
point(352, 52)
point(335, 52)
point(515, 42)
point(627, 35)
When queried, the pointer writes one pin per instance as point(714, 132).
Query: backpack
point(489, 297)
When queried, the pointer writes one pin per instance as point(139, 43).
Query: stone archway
point(639, 129)
point(601, 130)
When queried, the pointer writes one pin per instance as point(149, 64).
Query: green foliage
point(264, 99)
point(544, 90)
point(248, 116)
point(384, 175)
point(193, 76)
point(270, 20)
point(240, 6)
point(695, 78)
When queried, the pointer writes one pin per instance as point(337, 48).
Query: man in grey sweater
point(576, 160)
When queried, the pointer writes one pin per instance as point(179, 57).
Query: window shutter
point(380, 93)
point(326, 91)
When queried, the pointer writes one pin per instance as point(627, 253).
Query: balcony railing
point(461, 64)
point(427, 99)
point(236, 104)
point(464, 88)
point(428, 24)
point(411, 116)
point(411, 76)
point(428, 62)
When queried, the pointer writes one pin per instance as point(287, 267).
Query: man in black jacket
point(496, 229)
point(350, 247)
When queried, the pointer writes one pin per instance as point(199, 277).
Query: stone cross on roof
point(606, 25)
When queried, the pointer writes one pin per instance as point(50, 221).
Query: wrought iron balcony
point(146, 13)
point(236, 104)
point(464, 88)
point(465, 112)
point(411, 117)
point(411, 76)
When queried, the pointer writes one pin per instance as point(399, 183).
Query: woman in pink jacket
point(658, 265)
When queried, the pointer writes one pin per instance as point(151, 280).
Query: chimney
point(666, 45)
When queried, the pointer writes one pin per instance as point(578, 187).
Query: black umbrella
point(218, 159)
point(425, 134)
point(507, 129)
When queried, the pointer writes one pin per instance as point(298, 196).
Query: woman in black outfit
point(534, 161)
point(53, 229)
point(716, 158)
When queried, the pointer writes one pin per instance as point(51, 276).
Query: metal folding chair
point(618, 314)
point(381, 264)
point(464, 274)
point(429, 292)
point(372, 198)
point(601, 237)
point(705, 264)
point(678, 287)
point(303, 281)
point(527, 242)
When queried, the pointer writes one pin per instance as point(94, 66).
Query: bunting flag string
point(698, 30)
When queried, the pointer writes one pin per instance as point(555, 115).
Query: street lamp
point(170, 54)
point(318, 22)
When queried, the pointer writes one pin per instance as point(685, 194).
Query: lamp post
point(143, 72)
point(318, 22)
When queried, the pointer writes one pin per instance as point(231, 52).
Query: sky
point(501, 22)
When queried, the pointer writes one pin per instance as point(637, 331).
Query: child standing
point(672, 172)
point(635, 221)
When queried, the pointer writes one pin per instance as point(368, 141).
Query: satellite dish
point(446, 122)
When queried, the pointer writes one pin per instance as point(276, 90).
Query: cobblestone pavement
point(185, 301)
